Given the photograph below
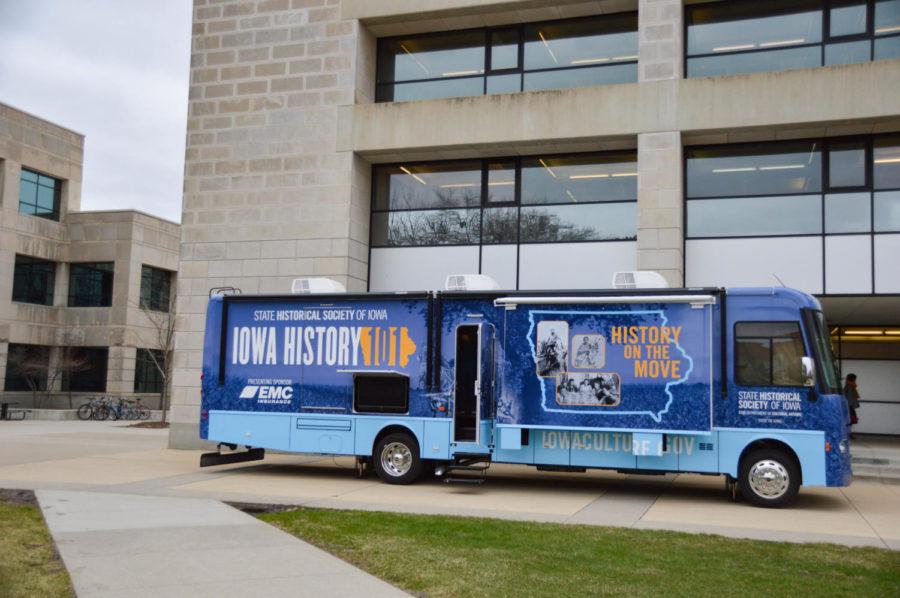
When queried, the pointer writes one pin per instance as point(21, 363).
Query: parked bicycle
point(103, 408)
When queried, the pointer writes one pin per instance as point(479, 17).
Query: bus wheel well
point(771, 443)
point(392, 429)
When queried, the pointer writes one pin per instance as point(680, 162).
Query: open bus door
point(474, 381)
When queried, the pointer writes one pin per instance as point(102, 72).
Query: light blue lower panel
point(602, 449)
point(331, 435)
point(505, 451)
point(551, 447)
point(437, 439)
point(808, 446)
point(261, 430)
point(696, 453)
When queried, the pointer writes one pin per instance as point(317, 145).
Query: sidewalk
point(125, 545)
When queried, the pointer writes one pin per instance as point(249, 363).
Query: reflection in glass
point(38, 195)
point(887, 211)
point(887, 17)
point(504, 49)
point(755, 170)
point(501, 182)
point(602, 75)
point(847, 213)
point(431, 227)
point(761, 25)
point(755, 62)
point(755, 216)
point(504, 83)
point(433, 56)
point(431, 90)
point(768, 354)
point(499, 225)
point(579, 179)
point(604, 40)
point(847, 17)
point(887, 48)
point(886, 158)
point(848, 53)
point(847, 164)
point(578, 222)
point(419, 186)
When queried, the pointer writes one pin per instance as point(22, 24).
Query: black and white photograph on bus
point(593, 389)
point(552, 347)
point(588, 351)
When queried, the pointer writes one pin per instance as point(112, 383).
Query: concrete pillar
point(267, 196)
point(660, 40)
point(660, 235)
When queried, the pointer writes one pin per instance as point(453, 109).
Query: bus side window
point(768, 354)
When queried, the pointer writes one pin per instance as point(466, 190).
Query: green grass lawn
point(457, 556)
point(29, 564)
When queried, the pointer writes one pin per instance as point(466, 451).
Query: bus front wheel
point(769, 478)
point(396, 459)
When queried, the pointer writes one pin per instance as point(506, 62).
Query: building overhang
point(834, 100)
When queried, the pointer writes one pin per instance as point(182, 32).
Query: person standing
point(851, 394)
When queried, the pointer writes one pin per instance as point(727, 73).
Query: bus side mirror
point(808, 367)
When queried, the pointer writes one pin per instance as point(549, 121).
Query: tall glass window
point(84, 368)
point(91, 284)
point(540, 199)
point(147, 377)
point(557, 54)
point(27, 368)
point(748, 36)
point(824, 188)
point(156, 288)
point(39, 195)
point(33, 280)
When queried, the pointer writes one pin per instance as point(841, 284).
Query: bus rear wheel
point(396, 459)
point(769, 478)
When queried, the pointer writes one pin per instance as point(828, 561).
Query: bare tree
point(163, 324)
point(41, 373)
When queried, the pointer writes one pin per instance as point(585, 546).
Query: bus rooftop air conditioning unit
point(639, 279)
point(470, 282)
point(314, 286)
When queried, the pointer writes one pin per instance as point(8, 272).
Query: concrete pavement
point(122, 545)
point(106, 457)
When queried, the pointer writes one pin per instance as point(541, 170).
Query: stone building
point(76, 287)
point(387, 143)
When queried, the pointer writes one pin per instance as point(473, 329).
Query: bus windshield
point(824, 356)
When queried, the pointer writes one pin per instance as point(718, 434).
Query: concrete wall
point(129, 239)
point(268, 196)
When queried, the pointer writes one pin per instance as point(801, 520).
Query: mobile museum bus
point(739, 382)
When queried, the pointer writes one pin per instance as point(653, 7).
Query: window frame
point(827, 39)
point(142, 364)
point(42, 386)
point(66, 382)
point(49, 294)
point(734, 358)
point(824, 147)
point(150, 303)
point(484, 205)
point(56, 214)
point(71, 292)
point(402, 379)
point(488, 71)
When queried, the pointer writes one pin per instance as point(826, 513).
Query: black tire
point(100, 413)
point(396, 459)
point(769, 478)
point(112, 414)
point(84, 412)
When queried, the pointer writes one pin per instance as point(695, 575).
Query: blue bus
point(737, 382)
